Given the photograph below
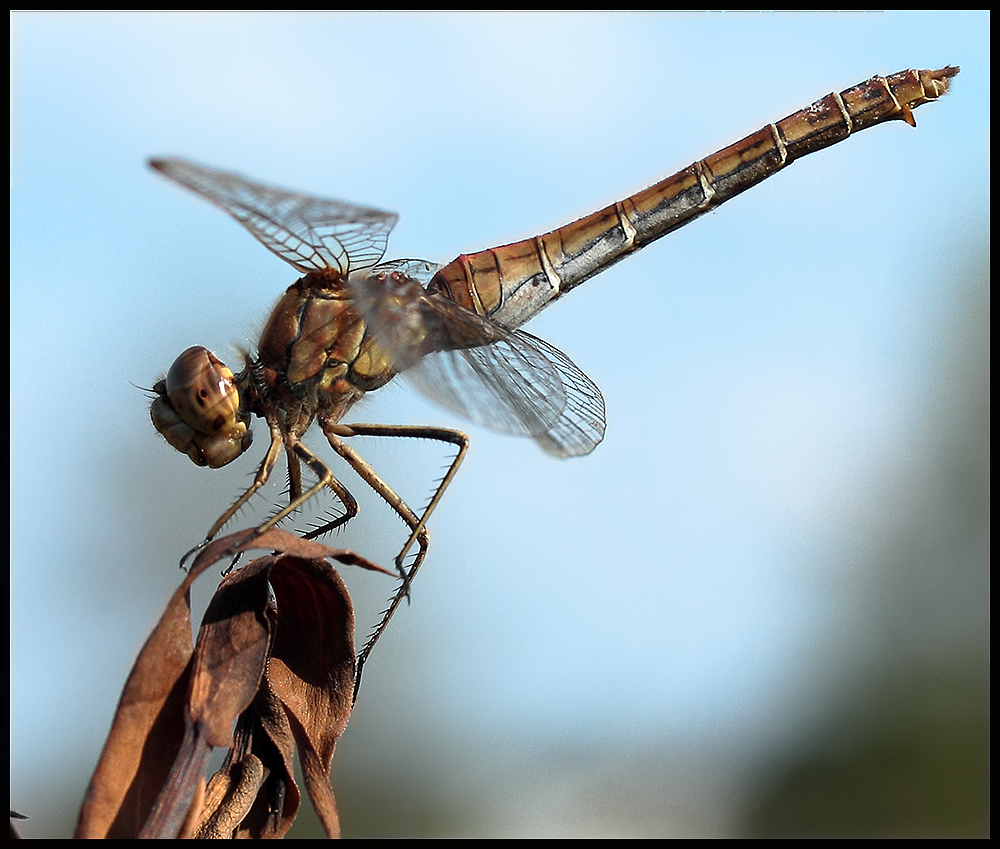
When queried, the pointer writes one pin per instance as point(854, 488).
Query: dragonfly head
point(197, 409)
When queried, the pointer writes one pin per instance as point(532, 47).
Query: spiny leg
point(418, 530)
point(294, 476)
point(324, 478)
point(263, 473)
point(295, 492)
point(261, 478)
point(402, 509)
point(350, 511)
point(440, 434)
point(295, 450)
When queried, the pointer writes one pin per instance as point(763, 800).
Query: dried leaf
point(231, 653)
point(147, 730)
point(306, 699)
point(179, 701)
point(228, 664)
point(312, 669)
point(280, 542)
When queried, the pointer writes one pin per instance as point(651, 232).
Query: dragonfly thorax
point(316, 344)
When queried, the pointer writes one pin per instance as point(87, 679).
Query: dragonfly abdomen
point(512, 283)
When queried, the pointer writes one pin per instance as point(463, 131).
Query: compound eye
point(197, 409)
point(203, 392)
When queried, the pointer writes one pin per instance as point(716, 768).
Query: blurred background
point(760, 607)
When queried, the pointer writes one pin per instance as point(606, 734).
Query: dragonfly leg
point(295, 451)
point(324, 478)
point(341, 491)
point(350, 510)
point(418, 531)
point(263, 473)
point(368, 474)
point(261, 478)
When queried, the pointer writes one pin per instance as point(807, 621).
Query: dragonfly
point(352, 322)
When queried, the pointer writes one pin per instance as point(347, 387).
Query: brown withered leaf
point(146, 732)
point(181, 700)
point(311, 672)
point(226, 670)
point(303, 703)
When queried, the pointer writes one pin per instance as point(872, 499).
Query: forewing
point(308, 232)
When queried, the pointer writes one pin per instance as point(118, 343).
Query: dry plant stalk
point(274, 658)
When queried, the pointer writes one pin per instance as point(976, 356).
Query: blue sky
point(772, 372)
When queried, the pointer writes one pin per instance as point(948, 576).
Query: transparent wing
point(308, 232)
point(519, 385)
point(506, 380)
point(418, 269)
